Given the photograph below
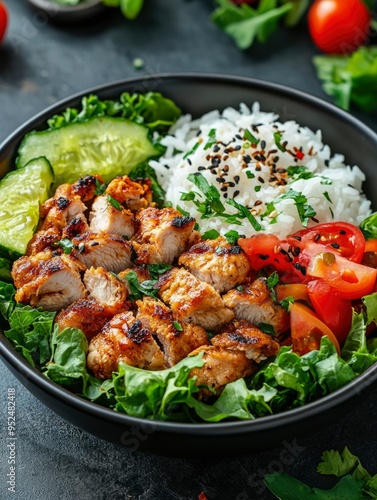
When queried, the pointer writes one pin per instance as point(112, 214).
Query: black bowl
point(198, 94)
point(65, 14)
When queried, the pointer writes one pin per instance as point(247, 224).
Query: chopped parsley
point(100, 188)
point(155, 270)
point(244, 212)
point(249, 174)
point(266, 328)
point(114, 203)
point(211, 138)
point(272, 280)
point(188, 196)
point(66, 245)
point(137, 289)
point(211, 234)
point(212, 201)
point(178, 326)
point(277, 137)
point(327, 196)
point(257, 189)
point(249, 137)
point(232, 236)
point(240, 288)
point(285, 303)
point(192, 150)
point(304, 210)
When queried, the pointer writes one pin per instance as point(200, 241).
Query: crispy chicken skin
point(193, 301)
point(61, 209)
point(221, 367)
point(163, 235)
point(106, 289)
point(134, 195)
point(51, 283)
point(123, 338)
point(110, 251)
point(43, 240)
point(254, 304)
point(245, 337)
point(85, 314)
point(178, 339)
point(86, 187)
point(76, 226)
point(216, 262)
point(105, 217)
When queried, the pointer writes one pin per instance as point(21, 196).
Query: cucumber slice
point(21, 192)
point(106, 146)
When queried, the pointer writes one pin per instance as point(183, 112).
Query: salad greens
point(350, 79)
point(284, 382)
point(369, 226)
point(356, 482)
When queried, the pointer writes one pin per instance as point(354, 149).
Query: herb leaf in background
point(369, 226)
point(130, 8)
point(246, 24)
point(350, 79)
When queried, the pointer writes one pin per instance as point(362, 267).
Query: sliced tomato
point(341, 237)
point(334, 311)
point(266, 250)
point(371, 245)
point(296, 290)
point(351, 280)
point(307, 330)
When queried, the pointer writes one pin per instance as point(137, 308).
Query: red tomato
point(335, 312)
point(339, 26)
point(3, 21)
point(265, 250)
point(351, 280)
point(307, 330)
point(296, 290)
point(341, 237)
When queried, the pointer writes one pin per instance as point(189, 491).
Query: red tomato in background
point(261, 250)
point(339, 26)
point(3, 21)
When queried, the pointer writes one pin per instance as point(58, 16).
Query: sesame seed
point(317, 237)
point(216, 148)
point(225, 195)
point(257, 157)
point(247, 158)
point(231, 184)
point(261, 180)
point(258, 202)
point(236, 193)
point(201, 168)
point(213, 171)
point(189, 161)
point(263, 144)
point(276, 159)
point(335, 245)
point(258, 168)
point(215, 161)
point(273, 214)
point(281, 170)
point(237, 148)
point(223, 189)
point(238, 137)
point(236, 179)
point(327, 163)
point(226, 168)
point(220, 179)
point(343, 232)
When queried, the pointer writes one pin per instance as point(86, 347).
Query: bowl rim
point(52, 7)
point(286, 418)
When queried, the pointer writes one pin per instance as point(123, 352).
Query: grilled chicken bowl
point(199, 279)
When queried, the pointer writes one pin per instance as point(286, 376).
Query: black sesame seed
point(257, 157)
point(189, 161)
point(238, 137)
point(236, 179)
point(201, 168)
point(276, 159)
point(220, 179)
point(231, 184)
point(247, 158)
point(327, 163)
point(216, 148)
point(223, 189)
point(226, 151)
point(317, 237)
point(281, 170)
point(335, 245)
point(258, 168)
point(298, 238)
point(236, 193)
point(342, 231)
point(261, 180)
point(215, 161)
point(263, 144)
point(263, 256)
point(213, 171)
point(237, 148)
point(225, 195)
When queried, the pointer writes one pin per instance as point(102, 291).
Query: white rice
point(221, 151)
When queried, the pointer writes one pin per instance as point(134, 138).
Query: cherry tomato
point(339, 26)
point(335, 312)
point(350, 279)
point(307, 330)
point(3, 21)
point(346, 239)
point(296, 290)
point(265, 250)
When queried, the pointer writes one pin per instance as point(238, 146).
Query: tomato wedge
point(266, 250)
point(307, 330)
point(334, 311)
point(296, 290)
point(371, 245)
point(341, 237)
point(351, 280)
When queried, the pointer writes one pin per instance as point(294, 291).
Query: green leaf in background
point(337, 464)
point(350, 79)
point(369, 227)
point(245, 24)
point(130, 8)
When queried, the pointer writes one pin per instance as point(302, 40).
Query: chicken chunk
point(105, 217)
point(86, 314)
point(76, 226)
point(86, 187)
point(134, 195)
point(51, 284)
point(254, 304)
point(125, 339)
point(106, 289)
point(193, 301)
point(245, 337)
point(109, 251)
point(221, 367)
point(43, 240)
point(163, 235)
point(178, 339)
point(216, 262)
point(62, 208)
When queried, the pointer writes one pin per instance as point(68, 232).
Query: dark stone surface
point(42, 63)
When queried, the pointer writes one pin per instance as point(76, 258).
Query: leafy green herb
point(257, 189)
point(211, 234)
point(285, 303)
point(272, 280)
point(369, 227)
point(192, 150)
point(183, 211)
point(245, 24)
point(327, 196)
point(100, 188)
point(266, 328)
point(129, 8)
point(232, 236)
point(212, 195)
point(245, 212)
point(155, 270)
point(188, 196)
point(66, 245)
point(304, 210)
point(5, 269)
point(211, 139)
point(278, 136)
point(114, 203)
point(240, 288)
point(249, 174)
point(350, 79)
point(152, 109)
point(178, 326)
point(138, 289)
point(250, 137)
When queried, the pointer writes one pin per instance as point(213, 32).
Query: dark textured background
point(41, 63)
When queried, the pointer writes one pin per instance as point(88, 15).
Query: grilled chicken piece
point(62, 208)
point(178, 339)
point(51, 283)
point(218, 263)
point(43, 240)
point(85, 314)
point(124, 339)
point(106, 289)
point(105, 217)
point(109, 251)
point(163, 235)
point(245, 337)
point(193, 301)
point(254, 304)
point(86, 187)
point(221, 367)
point(78, 225)
point(134, 195)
